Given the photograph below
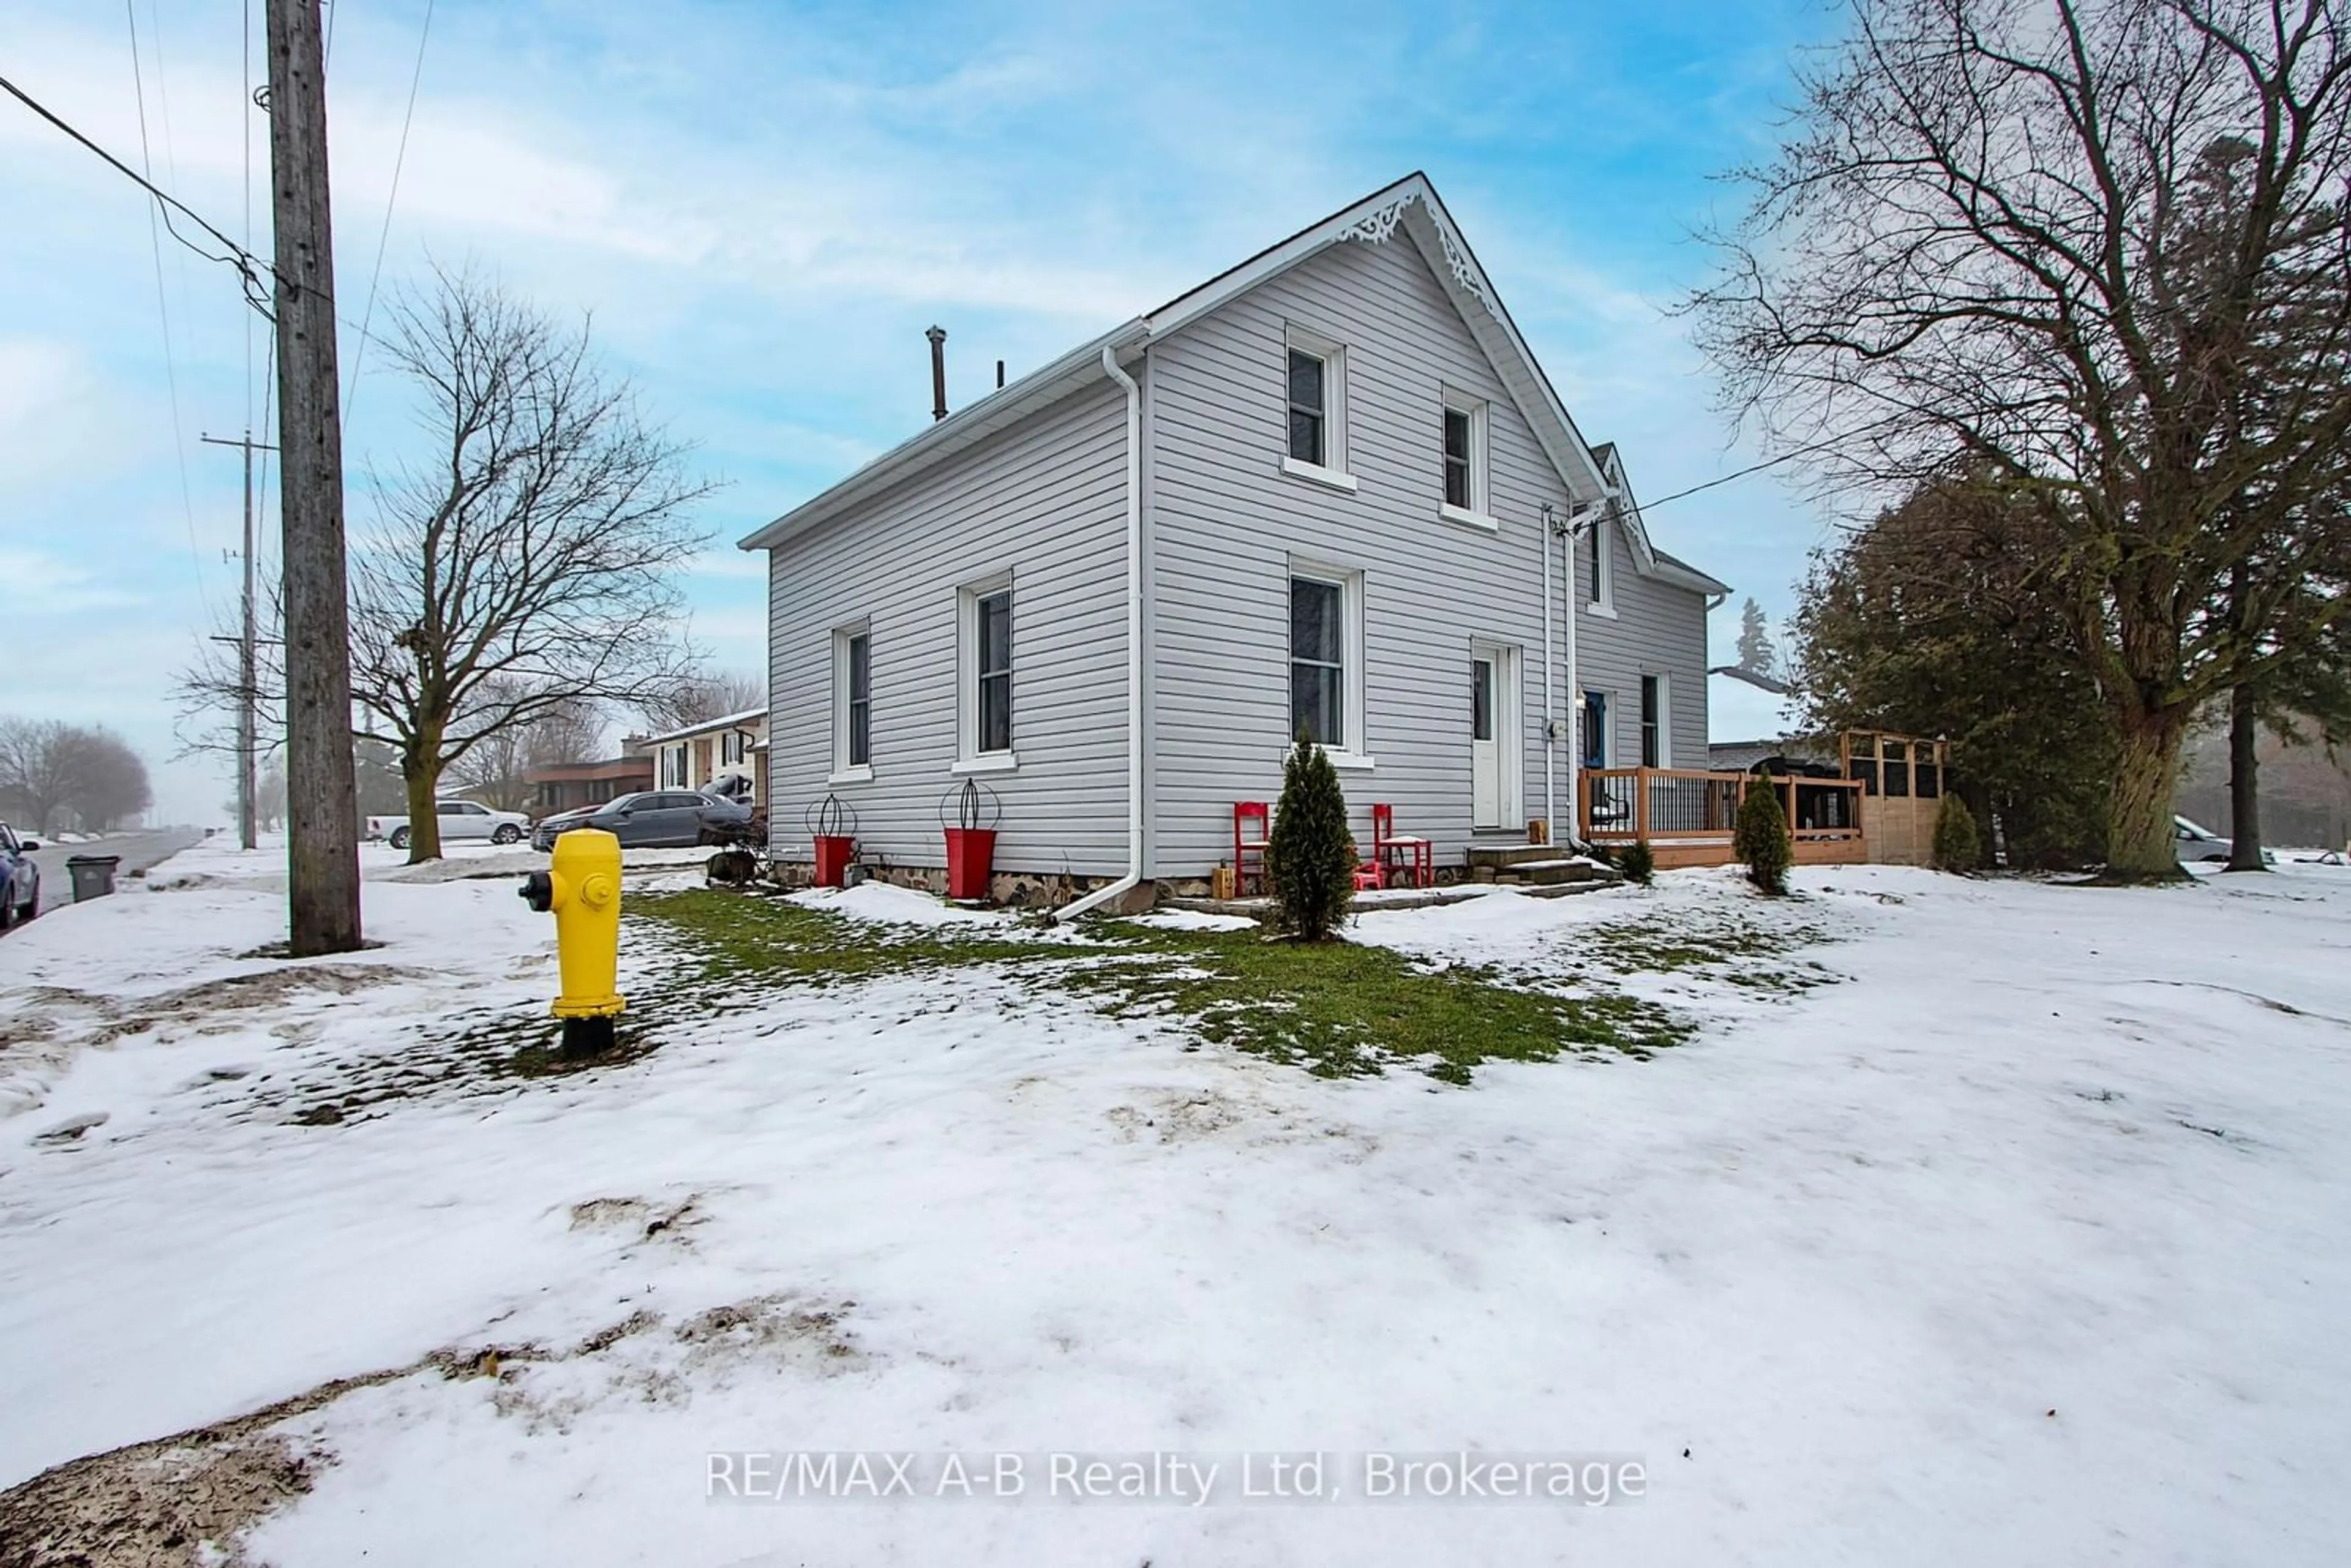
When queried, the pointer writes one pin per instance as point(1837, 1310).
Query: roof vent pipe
point(999, 375)
point(938, 337)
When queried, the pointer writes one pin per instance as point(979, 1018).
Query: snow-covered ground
point(1978, 1222)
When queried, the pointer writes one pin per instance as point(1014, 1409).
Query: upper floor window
point(1465, 459)
point(1310, 407)
point(1457, 458)
point(1314, 393)
point(1599, 563)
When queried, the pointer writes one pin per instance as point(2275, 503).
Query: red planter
point(833, 853)
point(971, 861)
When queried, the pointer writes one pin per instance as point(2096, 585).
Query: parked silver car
point(650, 819)
point(459, 819)
point(20, 878)
point(2194, 841)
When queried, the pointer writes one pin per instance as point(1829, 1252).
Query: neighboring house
point(1327, 489)
point(566, 786)
point(1752, 718)
point(712, 755)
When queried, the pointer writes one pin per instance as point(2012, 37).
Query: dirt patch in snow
point(54, 1022)
point(182, 1502)
point(187, 1500)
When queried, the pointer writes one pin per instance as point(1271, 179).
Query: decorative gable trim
point(1588, 474)
point(1379, 226)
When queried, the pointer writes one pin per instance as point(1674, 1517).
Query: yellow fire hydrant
point(582, 888)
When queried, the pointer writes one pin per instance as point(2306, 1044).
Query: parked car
point(651, 819)
point(2197, 842)
point(20, 878)
point(459, 819)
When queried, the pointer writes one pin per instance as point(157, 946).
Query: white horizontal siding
point(1045, 501)
point(1228, 522)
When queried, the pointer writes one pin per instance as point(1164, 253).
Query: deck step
point(1509, 854)
point(1551, 872)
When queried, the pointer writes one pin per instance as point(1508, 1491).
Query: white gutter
point(1134, 823)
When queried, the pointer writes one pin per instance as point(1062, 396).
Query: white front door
point(1485, 739)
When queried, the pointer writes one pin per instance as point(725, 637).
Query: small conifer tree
point(1958, 846)
point(1311, 855)
point(1762, 839)
point(1638, 863)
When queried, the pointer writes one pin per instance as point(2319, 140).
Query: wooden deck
point(1687, 816)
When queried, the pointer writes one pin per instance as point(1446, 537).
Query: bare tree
point(2099, 249)
point(702, 696)
point(112, 786)
point(50, 768)
point(37, 770)
point(270, 795)
point(529, 565)
point(499, 767)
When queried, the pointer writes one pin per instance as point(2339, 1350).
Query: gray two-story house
point(1330, 488)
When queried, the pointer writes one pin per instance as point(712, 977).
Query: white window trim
point(1604, 569)
point(1330, 478)
point(1333, 470)
point(969, 758)
point(986, 762)
point(1349, 580)
point(843, 770)
point(1479, 512)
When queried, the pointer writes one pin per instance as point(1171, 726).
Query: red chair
point(1367, 874)
point(1390, 849)
point(1248, 847)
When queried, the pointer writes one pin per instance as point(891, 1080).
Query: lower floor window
point(995, 612)
point(1318, 660)
point(1595, 729)
point(854, 741)
point(1652, 721)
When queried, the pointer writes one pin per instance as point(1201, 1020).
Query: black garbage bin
point(93, 876)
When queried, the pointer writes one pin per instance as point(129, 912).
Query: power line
point(1769, 463)
point(249, 266)
point(383, 236)
point(163, 311)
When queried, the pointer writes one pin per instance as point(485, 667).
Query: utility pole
point(321, 799)
point(247, 677)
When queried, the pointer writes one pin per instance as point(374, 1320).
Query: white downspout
point(1575, 693)
point(1135, 738)
point(1575, 725)
point(1551, 701)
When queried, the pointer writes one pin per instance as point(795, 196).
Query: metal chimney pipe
point(938, 337)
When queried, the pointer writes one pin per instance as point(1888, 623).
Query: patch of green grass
point(1343, 1011)
point(1730, 950)
point(1335, 1009)
point(737, 935)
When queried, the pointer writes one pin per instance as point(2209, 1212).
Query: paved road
point(138, 849)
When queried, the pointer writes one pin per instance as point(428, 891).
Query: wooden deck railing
point(1682, 805)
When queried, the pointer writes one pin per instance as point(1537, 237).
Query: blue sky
point(763, 205)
